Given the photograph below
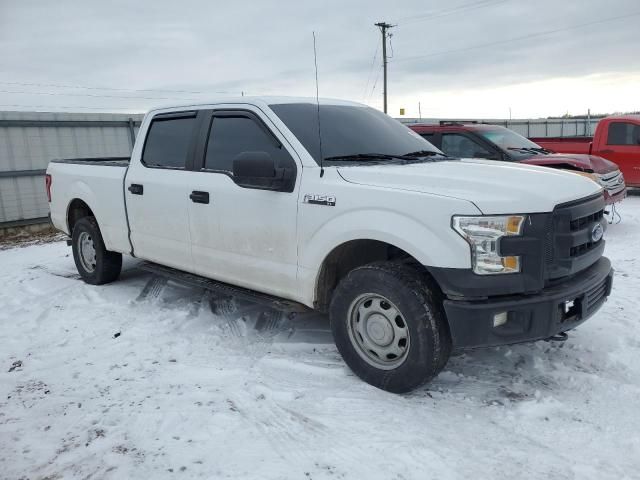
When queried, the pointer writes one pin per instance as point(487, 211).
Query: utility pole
point(383, 28)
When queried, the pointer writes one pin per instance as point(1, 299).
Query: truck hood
point(586, 163)
point(494, 187)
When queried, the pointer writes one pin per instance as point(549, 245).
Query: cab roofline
point(253, 100)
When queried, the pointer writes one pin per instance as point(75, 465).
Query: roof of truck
point(258, 100)
point(628, 116)
point(451, 126)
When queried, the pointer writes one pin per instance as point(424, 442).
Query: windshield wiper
point(543, 150)
point(524, 149)
point(369, 156)
point(424, 153)
point(411, 156)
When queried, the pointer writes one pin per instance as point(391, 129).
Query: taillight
point(47, 184)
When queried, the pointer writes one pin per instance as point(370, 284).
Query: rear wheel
point(96, 265)
point(389, 326)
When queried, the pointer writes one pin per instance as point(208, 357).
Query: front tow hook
point(559, 337)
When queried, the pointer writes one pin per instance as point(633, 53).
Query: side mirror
point(258, 170)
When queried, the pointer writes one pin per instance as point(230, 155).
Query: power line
point(84, 87)
point(452, 11)
point(61, 94)
point(513, 39)
point(373, 63)
point(375, 84)
point(64, 107)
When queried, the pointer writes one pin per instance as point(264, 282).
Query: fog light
point(499, 319)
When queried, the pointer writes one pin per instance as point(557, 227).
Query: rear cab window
point(168, 140)
point(623, 133)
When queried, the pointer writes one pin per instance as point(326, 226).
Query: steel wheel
point(87, 252)
point(378, 331)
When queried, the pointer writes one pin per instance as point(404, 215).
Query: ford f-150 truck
point(616, 138)
point(479, 140)
point(337, 207)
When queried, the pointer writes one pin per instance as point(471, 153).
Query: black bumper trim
point(531, 317)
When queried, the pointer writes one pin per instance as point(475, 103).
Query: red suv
point(493, 142)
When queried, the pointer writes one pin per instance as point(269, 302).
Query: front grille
point(581, 222)
point(548, 241)
point(570, 247)
point(581, 249)
point(596, 295)
point(613, 182)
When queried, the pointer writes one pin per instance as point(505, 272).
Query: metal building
point(540, 127)
point(29, 140)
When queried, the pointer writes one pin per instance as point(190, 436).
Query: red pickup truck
point(616, 139)
point(479, 140)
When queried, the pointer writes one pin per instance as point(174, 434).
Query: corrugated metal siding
point(29, 140)
point(570, 127)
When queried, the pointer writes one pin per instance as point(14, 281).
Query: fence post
point(132, 133)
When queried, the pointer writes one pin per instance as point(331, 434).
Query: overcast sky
point(459, 58)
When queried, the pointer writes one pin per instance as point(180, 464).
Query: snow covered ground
point(140, 379)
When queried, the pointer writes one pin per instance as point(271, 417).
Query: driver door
point(243, 236)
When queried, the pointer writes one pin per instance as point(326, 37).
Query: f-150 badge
point(328, 200)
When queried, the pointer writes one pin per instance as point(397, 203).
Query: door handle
point(199, 197)
point(606, 152)
point(136, 189)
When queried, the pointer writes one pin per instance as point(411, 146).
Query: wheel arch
point(352, 254)
point(76, 210)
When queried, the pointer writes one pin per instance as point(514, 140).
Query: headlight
point(483, 235)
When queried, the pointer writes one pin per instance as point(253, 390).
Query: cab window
point(168, 141)
point(456, 145)
point(231, 135)
point(623, 133)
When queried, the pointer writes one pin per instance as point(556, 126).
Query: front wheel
point(389, 326)
point(96, 265)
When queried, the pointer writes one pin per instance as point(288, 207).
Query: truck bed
point(95, 182)
point(565, 144)
point(103, 161)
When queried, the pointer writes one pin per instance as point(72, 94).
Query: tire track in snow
point(152, 289)
point(297, 437)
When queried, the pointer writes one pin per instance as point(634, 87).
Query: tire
point(365, 334)
point(102, 267)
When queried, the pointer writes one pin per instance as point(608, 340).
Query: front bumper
point(610, 198)
point(557, 308)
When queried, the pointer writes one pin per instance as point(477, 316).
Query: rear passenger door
point(244, 236)
point(157, 191)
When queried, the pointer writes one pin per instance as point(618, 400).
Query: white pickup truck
point(339, 208)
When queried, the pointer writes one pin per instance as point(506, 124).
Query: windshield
point(509, 140)
point(349, 130)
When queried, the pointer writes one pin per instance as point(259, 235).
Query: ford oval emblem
point(597, 232)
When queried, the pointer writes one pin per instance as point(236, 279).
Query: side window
point(429, 137)
point(167, 143)
point(456, 145)
point(229, 136)
point(623, 133)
